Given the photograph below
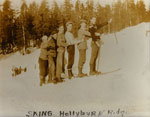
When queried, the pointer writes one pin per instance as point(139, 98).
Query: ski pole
point(98, 59)
point(116, 38)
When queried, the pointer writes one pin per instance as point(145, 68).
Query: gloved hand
point(110, 21)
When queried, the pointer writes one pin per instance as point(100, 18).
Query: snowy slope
point(126, 89)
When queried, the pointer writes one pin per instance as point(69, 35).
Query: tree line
point(18, 28)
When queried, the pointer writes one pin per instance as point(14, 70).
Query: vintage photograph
point(74, 58)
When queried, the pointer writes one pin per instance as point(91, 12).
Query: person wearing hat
point(61, 43)
point(71, 41)
point(95, 44)
point(52, 52)
point(43, 60)
point(83, 34)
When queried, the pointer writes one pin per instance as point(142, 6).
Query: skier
point(83, 34)
point(43, 60)
point(71, 41)
point(61, 43)
point(95, 44)
point(52, 52)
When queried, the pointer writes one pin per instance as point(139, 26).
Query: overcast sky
point(17, 3)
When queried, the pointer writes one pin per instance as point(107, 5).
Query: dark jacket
point(94, 28)
point(52, 47)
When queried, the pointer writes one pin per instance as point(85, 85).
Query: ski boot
point(97, 72)
point(42, 80)
point(81, 74)
point(70, 75)
point(55, 81)
point(60, 80)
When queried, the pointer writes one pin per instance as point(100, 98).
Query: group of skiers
point(51, 59)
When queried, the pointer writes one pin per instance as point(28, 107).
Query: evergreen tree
point(77, 6)
point(67, 10)
point(141, 11)
point(6, 24)
point(0, 28)
point(57, 16)
point(89, 10)
point(148, 14)
point(42, 20)
point(117, 15)
point(32, 14)
point(132, 13)
point(23, 21)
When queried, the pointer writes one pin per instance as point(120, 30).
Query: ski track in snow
point(126, 88)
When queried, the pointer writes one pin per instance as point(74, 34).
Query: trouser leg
point(59, 64)
point(94, 55)
point(63, 62)
point(42, 80)
point(94, 63)
point(52, 70)
point(43, 66)
point(82, 59)
point(71, 53)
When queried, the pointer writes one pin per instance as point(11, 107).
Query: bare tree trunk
point(24, 39)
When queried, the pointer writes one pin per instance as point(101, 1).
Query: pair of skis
point(103, 73)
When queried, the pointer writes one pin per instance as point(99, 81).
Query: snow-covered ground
point(127, 88)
